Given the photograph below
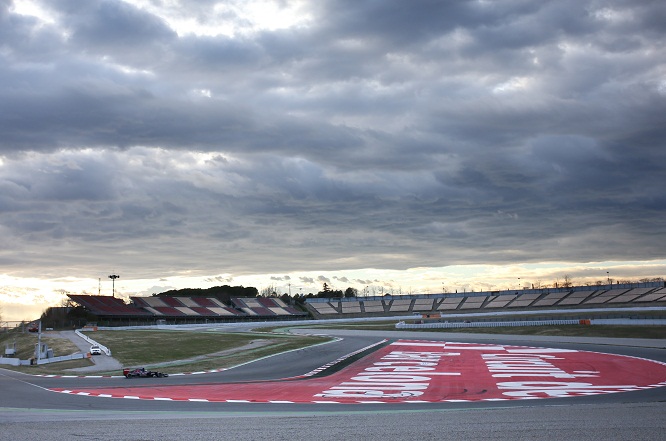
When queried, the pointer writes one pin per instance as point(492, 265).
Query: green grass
point(25, 349)
point(179, 351)
point(656, 332)
point(25, 343)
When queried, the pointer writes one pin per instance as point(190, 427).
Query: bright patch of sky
point(33, 9)
point(230, 18)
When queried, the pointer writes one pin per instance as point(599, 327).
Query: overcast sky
point(412, 145)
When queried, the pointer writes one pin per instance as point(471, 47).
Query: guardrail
point(104, 349)
point(444, 325)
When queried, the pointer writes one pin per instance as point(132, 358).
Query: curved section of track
point(427, 371)
point(609, 389)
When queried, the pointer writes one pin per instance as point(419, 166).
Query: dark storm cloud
point(381, 134)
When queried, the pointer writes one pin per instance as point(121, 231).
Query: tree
point(325, 291)
point(567, 281)
point(328, 293)
point(351, 292)
point(223, 293)
point(269, 291)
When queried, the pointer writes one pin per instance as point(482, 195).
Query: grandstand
point(423, 304)
point(400, 305)
point(265, 307)
point(450, 304)
point(638, 294)
point(324, 308)
point(473, 302)
point(655, 296)
point(370, 306)
point(500, 301)
point(576, 298)
point(350, 307)
point(551, 299)
point(201, 309)
point(182, 309)
point(604, 296)
point(166, 306)
point(107, 306)
point(524, 300)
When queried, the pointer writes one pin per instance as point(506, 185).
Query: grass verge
point(181, 351)
point(25, 343)
point(169, 351)
point(614, 331)
point(25, 349)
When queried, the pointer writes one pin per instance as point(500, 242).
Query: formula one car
point(142, 373)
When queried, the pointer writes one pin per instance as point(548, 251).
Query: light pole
point(113, 278)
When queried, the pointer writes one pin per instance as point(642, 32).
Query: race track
point(432, 385)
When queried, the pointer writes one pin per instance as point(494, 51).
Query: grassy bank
point(26, 342)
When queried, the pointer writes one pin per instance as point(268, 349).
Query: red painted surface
point(429, 371)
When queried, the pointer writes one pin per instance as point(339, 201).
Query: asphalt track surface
point(30, 409)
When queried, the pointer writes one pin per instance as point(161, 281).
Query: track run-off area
point(423, 371)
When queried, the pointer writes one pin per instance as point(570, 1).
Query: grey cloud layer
point(384, 134)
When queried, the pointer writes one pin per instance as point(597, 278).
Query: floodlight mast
point(113, 278)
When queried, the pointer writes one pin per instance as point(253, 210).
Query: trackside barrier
point(470, 316)
point(10, 361)
point(17, 362)
point(438, 325)
point(61, 358)
point(104, 349)
point(630, 322)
